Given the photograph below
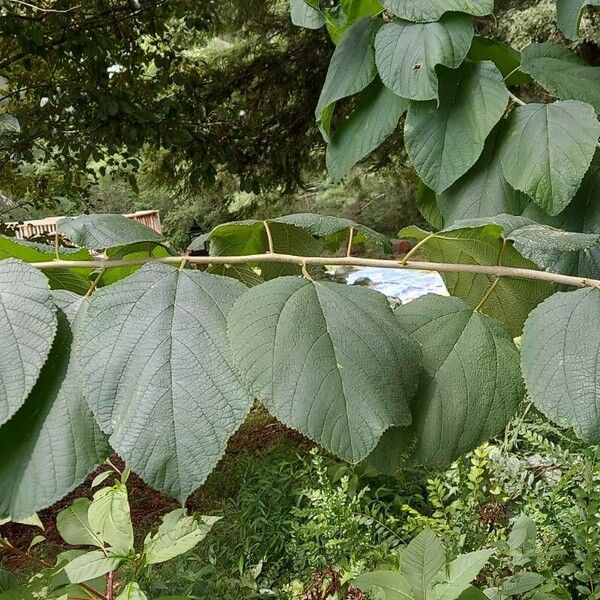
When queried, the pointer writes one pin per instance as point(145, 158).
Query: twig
point(94, 283)
point(269, 237)
point(324, 261)
point(350, 239)
point(516, 99)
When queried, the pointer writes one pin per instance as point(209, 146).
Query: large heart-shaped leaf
point(483, 191)
point(351, 69)
point(562, 73)
point(304, 15)
point(407, 54)
point(341, 381)
point(427, 11)
point(27, 327)
point(547, 150)
point(158, 373)
point(470, 388)
point(484, 242)
point(445, 141)
point(374, 119)
point(100, 231)
point(561, 360)
point(568, 15)
point(53, 442)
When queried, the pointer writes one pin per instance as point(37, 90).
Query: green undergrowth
point(290, 511)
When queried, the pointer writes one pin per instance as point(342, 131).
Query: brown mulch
point(147, 504)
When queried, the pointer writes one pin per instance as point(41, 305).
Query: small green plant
point(112, 568)
point(425, 573)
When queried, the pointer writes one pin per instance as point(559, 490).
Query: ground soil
point(258, 434)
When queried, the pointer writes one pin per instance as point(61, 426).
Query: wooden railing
point(45, 227)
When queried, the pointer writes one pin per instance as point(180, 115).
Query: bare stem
point(333, 261)
point(350, 240)
point(516, 99)
point(269, 237)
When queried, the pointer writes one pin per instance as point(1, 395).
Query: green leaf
point(483, 191)
point(556, 250)
point(110, 518)
point(132, 591)
point(421, 560)
point(178, 534)
point(244, 238)
point(427, 11)
point(392, 583)
point(335, 230)
point(483, 242)
point(53, 442)
point(505, 57)
point(27, 328)
point(158, 374)
point(521, 583)
point(568, 15)
point(407, 54)
point(445, 141)
point(560, 349)
point(90, 565)
point(461, 571)
point(426, 203)
point(9, 123)
point(470, 387)
point(582, 215)
point(547, 150)
point(131, 252)
point(74, 280)
point(98, 232)
point(523, 530)
point(353, 10)
point(304, 15)
point(472, 593)
point(351, 69)
point(21, 592)
point(374, 119)
point(74, 526)
point(247, 275)
point(562, 73)
point(340, 381)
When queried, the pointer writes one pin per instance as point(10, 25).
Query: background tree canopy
point(199, 86)
point(202, 110)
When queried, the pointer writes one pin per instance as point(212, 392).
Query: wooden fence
point(45, 227)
